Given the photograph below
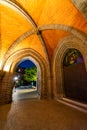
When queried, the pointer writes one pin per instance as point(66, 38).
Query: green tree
point(30, 74)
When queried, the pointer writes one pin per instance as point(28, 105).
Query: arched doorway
point(25, 80)
point(75, 76)
point(43, 82)
point(59, 54)
point(30, 59)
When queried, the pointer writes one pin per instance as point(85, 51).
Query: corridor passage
point(41, 115)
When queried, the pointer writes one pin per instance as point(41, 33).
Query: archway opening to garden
point(75, 76)
point(25, 80)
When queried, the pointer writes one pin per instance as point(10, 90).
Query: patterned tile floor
point(41, 115)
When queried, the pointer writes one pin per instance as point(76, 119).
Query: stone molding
point(44, 85)
point(81, 5)
point(57, 64)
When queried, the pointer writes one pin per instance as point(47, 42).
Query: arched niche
point(57, 63)
point(74, 76)
point(44, 89)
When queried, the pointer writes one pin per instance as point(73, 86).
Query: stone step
point(74, 104)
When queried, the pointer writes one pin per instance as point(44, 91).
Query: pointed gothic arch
point(44, 89)
point(63, 46)
point(74, 76)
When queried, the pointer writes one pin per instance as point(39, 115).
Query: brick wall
point(6, 84)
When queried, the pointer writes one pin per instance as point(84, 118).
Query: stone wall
point(6, 84)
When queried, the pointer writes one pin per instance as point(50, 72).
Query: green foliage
point(30, 74)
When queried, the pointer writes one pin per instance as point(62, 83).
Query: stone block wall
point(6, 84)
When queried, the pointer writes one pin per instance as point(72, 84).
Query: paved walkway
point(24, 92)
point(41, 115)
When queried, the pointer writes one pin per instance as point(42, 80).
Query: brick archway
point(63, 46)
point(44, 90)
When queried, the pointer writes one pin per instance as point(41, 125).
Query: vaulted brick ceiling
point(38, 24)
